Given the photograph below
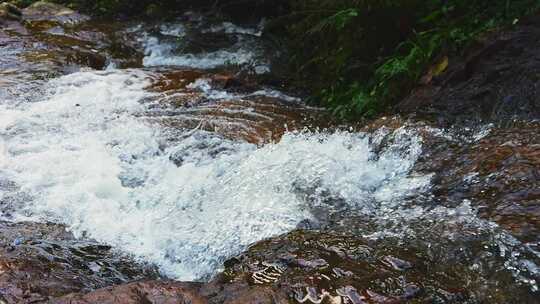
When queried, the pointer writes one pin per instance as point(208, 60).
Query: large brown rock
point(171, 292)
point(155, 292)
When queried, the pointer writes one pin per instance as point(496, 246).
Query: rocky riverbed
point(167, 163)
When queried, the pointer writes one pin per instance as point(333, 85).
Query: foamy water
point(161, 50)
point(90, 161)
point(204, 85)
point(84, 154)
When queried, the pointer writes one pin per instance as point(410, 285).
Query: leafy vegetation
point(360, 56)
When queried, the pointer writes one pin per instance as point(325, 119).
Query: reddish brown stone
point(155, 292)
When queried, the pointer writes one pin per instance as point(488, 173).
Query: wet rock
point(9, 11)
point(497, 81)
point(499, 174)
point(221, 291)
point(493, 167)
point(354, 270)
point(41, 261)
point(161, 292)
point(209, 42)
point(397, 264)
point(14, 69)
point(259, 120)
point(44, 47)
point(232, 83)
point(363, 271)
point(190, 99)
point(495, 170)
point(155, 292)
point(282, 264)
point(175, 81)
point(48, 12)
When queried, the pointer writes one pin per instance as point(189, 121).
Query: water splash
point(163, 51)
point(90, 161)
point(161, 54)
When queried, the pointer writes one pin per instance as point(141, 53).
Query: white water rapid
point(86, 158)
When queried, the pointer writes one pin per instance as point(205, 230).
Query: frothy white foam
point(176, 30)
point(3, 154)
point(163, 52)
point(93, 165)
point(204, 85)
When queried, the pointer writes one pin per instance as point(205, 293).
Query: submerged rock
point(196, 100)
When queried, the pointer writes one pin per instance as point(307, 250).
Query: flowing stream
point(87, 158)
point(95, 150)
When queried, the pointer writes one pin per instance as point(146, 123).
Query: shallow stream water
point(163, 164)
